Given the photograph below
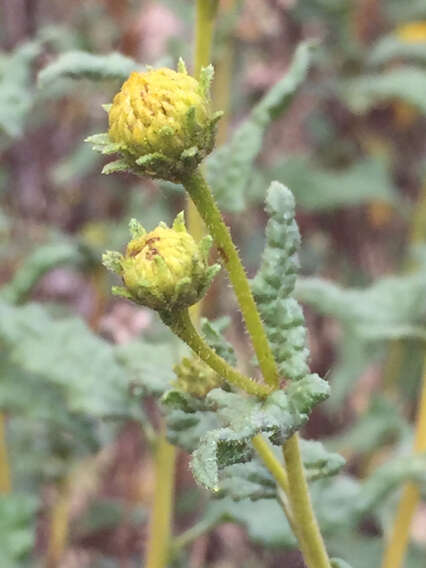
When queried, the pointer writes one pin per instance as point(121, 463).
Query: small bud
point(195, 377)
point(164, 269)
point(161, 123)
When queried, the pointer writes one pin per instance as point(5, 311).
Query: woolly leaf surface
point(406, 83)
point(274, 283)
point(67, 354)
point(221, 426)
point(84, 65)
point(231, 165)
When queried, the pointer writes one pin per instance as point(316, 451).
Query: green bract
point(161, 123)
point(164, 269)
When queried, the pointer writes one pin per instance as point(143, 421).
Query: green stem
point(5, 483)
point(204, 26)
point(181, 325)
point(200, 194)
point(280, 475)
point(271, 462)
point(158, 549)
point(306, 526)
point(304, 517)
point(398, 538)
point(194, 532)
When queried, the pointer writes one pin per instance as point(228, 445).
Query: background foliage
point(327, 98)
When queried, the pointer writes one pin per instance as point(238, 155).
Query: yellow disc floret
point(161, 123)
point(164, 269)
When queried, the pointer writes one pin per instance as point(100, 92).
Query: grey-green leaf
point(274, 283)
point(85, 65)
point(230, 167)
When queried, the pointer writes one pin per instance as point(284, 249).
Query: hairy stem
point(305, 523)
point(271, 462)
point(160, 529)
point(205, 16)
point(5, 483)
point(274, 466)
point(399, 535)
point(204, 27)
point(303, 514)
point(201, 195)
point(181, 325)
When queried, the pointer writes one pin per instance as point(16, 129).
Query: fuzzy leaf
point(253, 481)
point(150, 365)
point(17, 528)
point(392, 47)
point(67, 354)
point(405, 83)
point(212, 332)
point(231, 165)
point(319, 189)
point(274, 283)
point(38, 263)
point(85, 65)
point(339, 563)
point(225, 422)
point(398, 302)
point(390, 477)
point(16, 92)
point(115, 166)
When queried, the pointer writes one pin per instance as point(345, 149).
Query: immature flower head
point(195, 377)
point(164, 269)
point(161, 123)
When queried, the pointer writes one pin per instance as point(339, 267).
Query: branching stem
point(302, 514)
point(181, 325)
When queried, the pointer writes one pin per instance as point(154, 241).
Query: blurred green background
point(76, 472)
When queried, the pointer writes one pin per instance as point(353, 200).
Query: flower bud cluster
point(195, 377)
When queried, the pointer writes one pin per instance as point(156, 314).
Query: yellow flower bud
point(164, 269)
point(161, 123)
point(195, 377)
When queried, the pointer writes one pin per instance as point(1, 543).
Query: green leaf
point(212, 332)
point(149, 365)
point(318, 462)
point(274, 283)
point(392, 47)
point(85, 65)
point(382, 423)
point(41, 261)
point(364, 551)
point(264, 520)
point(339, 563)
point(404, 83)
point(17, 528)
point(230, 167)
point(65, 353)
point(398, 302)
point(389, 477)
point(221, 426)
point(319, 189)
point(16, 92)
point(353, 356)
point(253, 481)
